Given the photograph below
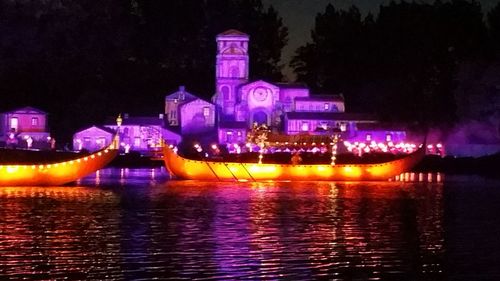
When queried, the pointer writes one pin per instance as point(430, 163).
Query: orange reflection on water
point(52, 230)
point(343, 225)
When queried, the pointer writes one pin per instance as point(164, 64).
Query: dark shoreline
point(488, 166)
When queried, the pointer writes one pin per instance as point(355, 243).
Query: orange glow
point(233, 171)
point(54, 173)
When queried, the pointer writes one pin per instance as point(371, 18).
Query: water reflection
point(299, 230)
point(136, 224)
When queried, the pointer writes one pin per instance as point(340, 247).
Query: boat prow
point(183, 168)
point(55, 173)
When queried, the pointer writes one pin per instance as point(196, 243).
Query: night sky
point(299, 15)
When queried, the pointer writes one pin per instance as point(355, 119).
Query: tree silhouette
point(82, 61)
point(402, 64)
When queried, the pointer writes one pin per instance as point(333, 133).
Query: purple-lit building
point(239, 103)
point(287, 109)
point(141, 134)
point(367, 132)
point(26, 124)
point(189, 113)
point(93, 138)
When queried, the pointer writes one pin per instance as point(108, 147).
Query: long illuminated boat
point(55, 173)
point(237, 171)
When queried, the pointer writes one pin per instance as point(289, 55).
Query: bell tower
point(231, 70)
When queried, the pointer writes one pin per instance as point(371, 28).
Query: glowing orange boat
point(55, 172)
point(237, 171)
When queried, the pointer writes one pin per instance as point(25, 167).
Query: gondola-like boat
point(56, 171)
point(183, 168)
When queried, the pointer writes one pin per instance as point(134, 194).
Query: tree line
point(407, 62)
point(85, 60)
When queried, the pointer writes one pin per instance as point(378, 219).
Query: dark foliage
point(84, 60)
point(403, 64)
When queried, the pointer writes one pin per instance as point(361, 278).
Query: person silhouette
point(296, 159)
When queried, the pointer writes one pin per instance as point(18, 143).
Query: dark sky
point(299, 15)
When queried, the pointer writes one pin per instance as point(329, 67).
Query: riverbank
point(484, 166)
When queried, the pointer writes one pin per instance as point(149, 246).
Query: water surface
point(126, 224)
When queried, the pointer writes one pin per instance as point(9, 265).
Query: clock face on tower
point(260, 93)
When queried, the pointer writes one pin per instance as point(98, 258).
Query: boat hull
point(55, 173)
point(232, 171)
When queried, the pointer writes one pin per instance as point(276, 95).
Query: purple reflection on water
point(137, 224)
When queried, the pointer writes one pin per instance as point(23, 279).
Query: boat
point(58, 169)
point(183, 168)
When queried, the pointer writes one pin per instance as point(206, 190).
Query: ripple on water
point(129, 225)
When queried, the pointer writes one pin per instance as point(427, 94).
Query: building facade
point(93, 138)
point(285, 108)
point(188, 114)
point(25, 127)
point(238, 104)
point(141, 134)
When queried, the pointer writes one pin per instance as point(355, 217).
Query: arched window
point(260, 117)
point(225, 92)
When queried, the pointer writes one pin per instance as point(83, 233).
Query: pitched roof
point(196, 99)
point(102, 128)
point(111, 131)
point(26, 109)
point(232, 32)
point(181, 95)
point(331, 116)
point(256, 81)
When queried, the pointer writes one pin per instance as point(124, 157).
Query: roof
point(233, 124)
point(331, 116)
point(232, 32)
point(321, 98)
point(197, 99)
point(181, 95)
point(257, 81)
point(105, 129)
point(26, 110)
point(111, 131)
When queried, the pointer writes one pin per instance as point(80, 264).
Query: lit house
point(23, 124)
point(141, 134)
point(188, 113)
point(93, 138)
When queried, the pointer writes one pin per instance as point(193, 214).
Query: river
point(137, 224)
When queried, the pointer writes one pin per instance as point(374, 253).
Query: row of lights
point(11, 168)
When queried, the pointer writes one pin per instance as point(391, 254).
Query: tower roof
point(232, 32)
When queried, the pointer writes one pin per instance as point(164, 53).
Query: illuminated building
point(141, 134)
point(238, 103)
point(287, 109)
point(23, 124)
